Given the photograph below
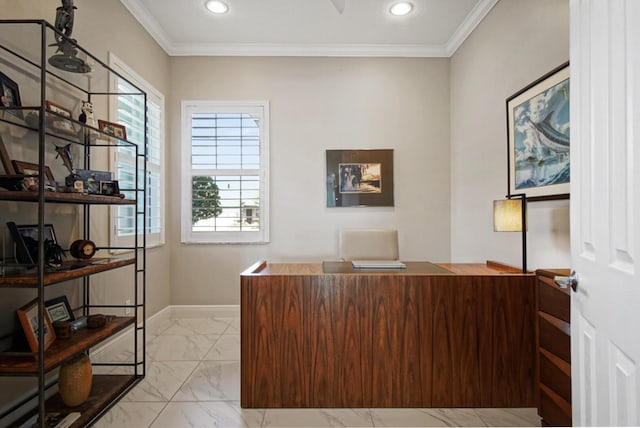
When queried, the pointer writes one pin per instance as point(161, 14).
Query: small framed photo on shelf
point(26, 240)
point(10, 95)
point(59, 309)
point(28, 316)
point(30, 170)
point(59, 124)
point(113, 129)
point(109, 188)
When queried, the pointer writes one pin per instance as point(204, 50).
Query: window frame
point(260, 109)
point(152, 239)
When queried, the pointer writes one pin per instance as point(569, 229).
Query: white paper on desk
point(378, 264)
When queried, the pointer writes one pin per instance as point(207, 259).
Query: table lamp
point(509, 215)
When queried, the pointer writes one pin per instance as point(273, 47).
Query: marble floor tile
point(411, 418)
point(226, 348)
point(195, 326)
point(162, 380)
point(208, 414)
point(212, 381)
point(186, 348)
point(129, 414)
point(317, 418)
point(234, 327)
point(527, 417)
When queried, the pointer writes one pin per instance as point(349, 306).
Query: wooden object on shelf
point(64, 197)
point(404, 338)
point(104, 390)
point(554, 349)
point(23, 363)
point(28, 316)
point(29, 279)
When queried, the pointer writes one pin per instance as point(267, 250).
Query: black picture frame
point(109, 188)
point(25, 237)
point(538, 124)
point(59, 309)
point(360, 178)
point(10, 96)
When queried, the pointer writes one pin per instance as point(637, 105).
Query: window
point(128, 110)
point(225, 172)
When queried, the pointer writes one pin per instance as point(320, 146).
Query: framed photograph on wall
point(359, 178)
point(28, 316)
point(538, 131)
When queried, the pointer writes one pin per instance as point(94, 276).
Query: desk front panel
point(387, 340)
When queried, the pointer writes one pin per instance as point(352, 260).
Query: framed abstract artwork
point(360, 178)
point(538, 131)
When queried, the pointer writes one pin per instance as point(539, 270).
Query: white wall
point(318, 104)
point(517, 42)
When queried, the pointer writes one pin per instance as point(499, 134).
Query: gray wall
point(318, 104)
point(516, 43)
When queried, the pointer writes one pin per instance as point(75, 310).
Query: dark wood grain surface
point(386, 340)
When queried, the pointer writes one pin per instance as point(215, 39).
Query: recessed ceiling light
point(217, 6)
point(401, 8)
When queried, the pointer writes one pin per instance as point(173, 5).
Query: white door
point(605, 211)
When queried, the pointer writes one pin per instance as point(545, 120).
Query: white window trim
point(261, 108)
point(154, 239)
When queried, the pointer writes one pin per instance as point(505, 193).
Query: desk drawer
point(553, 410)
point(555, 373)
point(554, 300)
point(555, 336)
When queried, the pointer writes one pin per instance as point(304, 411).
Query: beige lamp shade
point(507, 215)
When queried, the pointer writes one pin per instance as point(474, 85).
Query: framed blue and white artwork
point(538, 129)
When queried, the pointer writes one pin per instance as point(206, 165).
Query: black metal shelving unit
point(25, 46)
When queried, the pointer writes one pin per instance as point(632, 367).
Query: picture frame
point(5, 159)
point(59, 309)
point(109, 188)
point(91, 179)
point(113, 129)
point(31, 170)
point(538, 137)
point(26, 240)
point(10, 96)
point(60, 124)
point(28, 316)
point(359, 178)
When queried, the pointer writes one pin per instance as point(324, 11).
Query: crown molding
point(469, 24)
point(152, 26)
point(314, 50)
point(148, 22)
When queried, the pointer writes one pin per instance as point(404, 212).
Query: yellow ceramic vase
point(74, 380)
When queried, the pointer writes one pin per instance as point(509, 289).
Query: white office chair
point(369, 244)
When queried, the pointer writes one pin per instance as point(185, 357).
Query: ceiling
point(435, 28)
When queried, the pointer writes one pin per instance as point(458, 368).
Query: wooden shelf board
point(30, 279)
point(16, 364)
point(105, 389)
point(63, 197)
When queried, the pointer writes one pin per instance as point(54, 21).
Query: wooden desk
point(461, 337)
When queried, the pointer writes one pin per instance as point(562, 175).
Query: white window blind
point(225, 148)
point(129, 111)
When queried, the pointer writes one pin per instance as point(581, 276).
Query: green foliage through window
point(206, 199)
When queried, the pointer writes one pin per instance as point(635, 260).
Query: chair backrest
point(369, 244)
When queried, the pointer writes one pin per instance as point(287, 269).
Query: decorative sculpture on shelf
point(68, 59)
point(86, 116)
point(64, 153)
